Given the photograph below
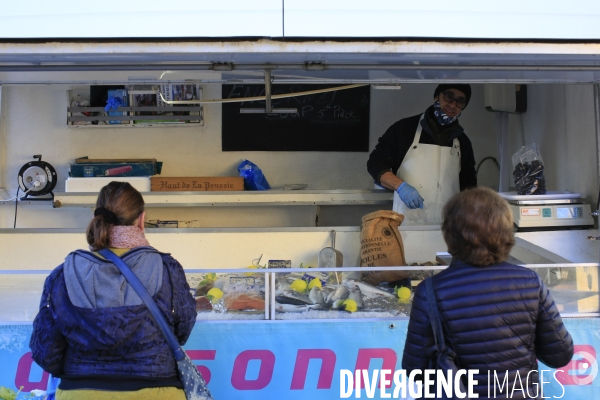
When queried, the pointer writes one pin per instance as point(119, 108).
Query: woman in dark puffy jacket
point(497, 317)
point(93, 331)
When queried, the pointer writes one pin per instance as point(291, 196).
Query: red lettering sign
point(582, 369)
point(363, 360)
point(23, 373)
point(240, 366)
point(202, 355)
point(303, 357)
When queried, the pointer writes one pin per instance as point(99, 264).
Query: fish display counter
point(340, 293)
point(311, 293)
point(258, 330)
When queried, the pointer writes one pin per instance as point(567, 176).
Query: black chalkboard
point(332, 121)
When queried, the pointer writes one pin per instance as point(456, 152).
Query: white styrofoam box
point(141, 183)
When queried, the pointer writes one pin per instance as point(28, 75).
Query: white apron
point(434, 171)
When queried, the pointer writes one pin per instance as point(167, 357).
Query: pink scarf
point(127, 237)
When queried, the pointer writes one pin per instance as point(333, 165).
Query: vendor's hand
point(410, 196)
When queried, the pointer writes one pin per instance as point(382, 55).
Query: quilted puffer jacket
point(93, 330)
point(496, 318)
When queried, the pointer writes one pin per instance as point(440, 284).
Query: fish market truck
point(247, 126)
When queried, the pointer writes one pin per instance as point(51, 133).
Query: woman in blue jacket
point(497, 316)
point(93, 331)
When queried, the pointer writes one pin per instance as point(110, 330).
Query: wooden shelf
point(243, 198)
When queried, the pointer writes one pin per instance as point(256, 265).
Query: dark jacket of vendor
point(395, 142)
point(496, 316)
point(94, 332)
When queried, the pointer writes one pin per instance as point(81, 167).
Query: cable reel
point(37, 178)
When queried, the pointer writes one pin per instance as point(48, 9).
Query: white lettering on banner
point(497, 384)
point(420, 383)
point(561, 386)
point(370, 386)
point(428, 382)
point(346, 382)
point(444, 382)
point(400, 383)
point(411, 388)
point(535, 385)
point(542, 383)
point(457, 378)
point(472, 382)
point(518, 385)
point(384, 382)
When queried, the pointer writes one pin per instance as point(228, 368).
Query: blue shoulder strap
point(434, 315)
point(146, 298)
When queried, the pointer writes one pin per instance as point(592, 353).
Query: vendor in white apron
point(426, 158)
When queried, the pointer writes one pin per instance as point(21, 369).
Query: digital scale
point(551, 211)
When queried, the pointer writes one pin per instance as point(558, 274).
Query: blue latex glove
point(410, 196)
point(113, 103)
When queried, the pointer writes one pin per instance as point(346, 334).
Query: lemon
point(211, 276)
point(298, 285)
point(350, 305)
point(404, 293)
point(315, 282)
point(214, 294)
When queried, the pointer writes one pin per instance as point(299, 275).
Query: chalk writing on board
point(305, 105)
point(330, 121)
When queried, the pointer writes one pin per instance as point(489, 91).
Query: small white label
point(530, 212)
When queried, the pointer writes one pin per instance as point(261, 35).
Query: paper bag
point(381, 246)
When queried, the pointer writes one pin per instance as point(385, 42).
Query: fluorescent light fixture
point(386, 86)
point(142, 78)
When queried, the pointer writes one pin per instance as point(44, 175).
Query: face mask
point(441, 116)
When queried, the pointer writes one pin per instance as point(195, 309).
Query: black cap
point(466, 89)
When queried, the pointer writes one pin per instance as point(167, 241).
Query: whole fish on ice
point(326, 291)
point(370, 291)
point(356, 295)
point(291, 308)
point(316, 295)
point(340, 293)
point(293, 297)
point(282, 308)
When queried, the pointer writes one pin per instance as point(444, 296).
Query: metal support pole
point(597, 117)
point(268, 107)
